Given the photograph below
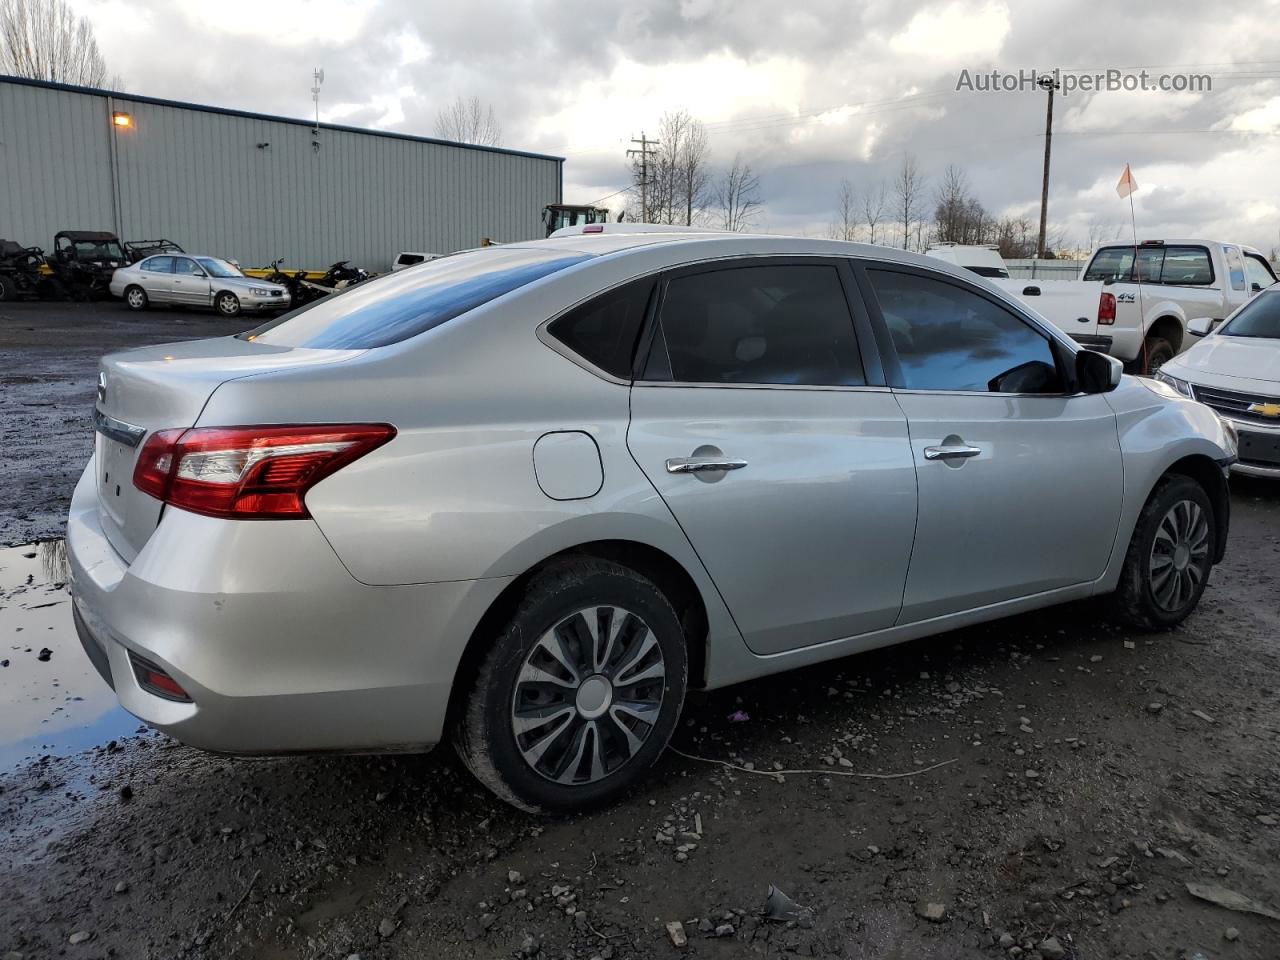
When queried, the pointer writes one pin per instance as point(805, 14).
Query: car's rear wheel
point(1159, 351)
point(579, 693)
point(1170, 556)
point(135, 298)
point(228, 304)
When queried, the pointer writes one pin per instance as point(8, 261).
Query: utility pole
point(1049, 84)
point(646, 146)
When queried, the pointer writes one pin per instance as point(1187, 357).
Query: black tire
point(1142, 597)
point(227, 304)
point(135, 298)
point(7, 289)
point(502, 693)
point(1159, 351)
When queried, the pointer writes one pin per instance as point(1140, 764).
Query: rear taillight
point(250, 473)
point(1107, 308)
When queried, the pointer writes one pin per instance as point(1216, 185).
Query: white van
point(984, 260)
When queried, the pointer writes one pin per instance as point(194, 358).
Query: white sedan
point(1236, 370)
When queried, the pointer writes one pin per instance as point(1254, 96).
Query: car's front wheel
point(580, 691)
point(1170, 555)
point(228, 304)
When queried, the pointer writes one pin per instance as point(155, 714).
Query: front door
point(1019, 482)
point(790, 475)
point(190, 283)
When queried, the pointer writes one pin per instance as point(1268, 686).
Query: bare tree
point(469, 121)
point(873, 207)
point(738, 195)
point(908, 190)
point(676, 173)
point(44, 40)
point(846, 222)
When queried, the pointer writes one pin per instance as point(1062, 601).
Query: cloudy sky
point(809, 92)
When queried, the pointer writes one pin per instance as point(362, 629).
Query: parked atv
point(141, 249)
point(21, 276)
point(340, 276)
point(84, 260)
point(301, 290)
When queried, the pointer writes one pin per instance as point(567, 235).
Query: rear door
point(190, 282)
point(1019, 480)
point(778, 449)
point(156, 276)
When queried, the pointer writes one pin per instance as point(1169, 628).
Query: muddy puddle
point(52, 701)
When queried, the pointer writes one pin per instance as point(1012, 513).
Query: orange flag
point(1127, 184)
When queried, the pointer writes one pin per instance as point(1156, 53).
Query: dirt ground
point(48, 374)
point(1042, 786)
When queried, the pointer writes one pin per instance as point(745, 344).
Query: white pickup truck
point(1143, 320)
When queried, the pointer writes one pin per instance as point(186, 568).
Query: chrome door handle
point(701, 464)
point(951, 451)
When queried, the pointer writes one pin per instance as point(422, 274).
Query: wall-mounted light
point(264, 145)
point(124, 120)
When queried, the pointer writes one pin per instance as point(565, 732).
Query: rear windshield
point(401, 305)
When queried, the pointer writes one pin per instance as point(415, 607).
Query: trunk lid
point(159, 388)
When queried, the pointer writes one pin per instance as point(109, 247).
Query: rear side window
point(604, 330)
point(949, 338)
point(401, 305)
point(1186, 265)
point(785, 324)
point(158, 265)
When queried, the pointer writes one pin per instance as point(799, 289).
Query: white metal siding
point(199, 178)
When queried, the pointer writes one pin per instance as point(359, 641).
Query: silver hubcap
point(135, 298)
point(1180, 555)
point(588, 695)
point(228, 304)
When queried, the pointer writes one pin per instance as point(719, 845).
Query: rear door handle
point(951, 451)
point(702, 464)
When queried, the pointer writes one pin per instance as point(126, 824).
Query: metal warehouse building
point(252, 187)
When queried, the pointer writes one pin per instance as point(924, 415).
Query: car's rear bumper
point(280, 649)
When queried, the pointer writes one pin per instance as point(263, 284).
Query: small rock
point(675, 930)
point(1006, 941)
point(725, 930)
point(530, 946)
point(1051, 949)
point(161, 851)
point(386, 927)
point(126, 793)
point(43, 656)
point(1130, 645)
point(515, 878)
point(80, 936)
point(933, 912)
point(1096, 658)
point(1155, 707)
point(1268, 819)
point(122, 886)
point(1032, 774)
point(1232, 934)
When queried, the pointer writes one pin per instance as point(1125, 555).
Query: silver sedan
point(523, 498)
point(197, 281)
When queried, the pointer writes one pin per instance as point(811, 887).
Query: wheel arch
point(1206, 472)
point(667, 573)
point(1168, 327)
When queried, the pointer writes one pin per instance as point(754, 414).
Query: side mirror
point(1097, 372)
point(1256, 287)
point(1200, 326)
point(1031, 291)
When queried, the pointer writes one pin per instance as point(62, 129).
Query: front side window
point(604, 330)
point(783, 324)
point(949, 338)
point(403, 304)
point(1258, 272)
point(1258, 319)
point(185, 267)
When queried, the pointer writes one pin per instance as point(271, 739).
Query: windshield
point(218, 268)
point(404, 304)
point(1259, 318)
